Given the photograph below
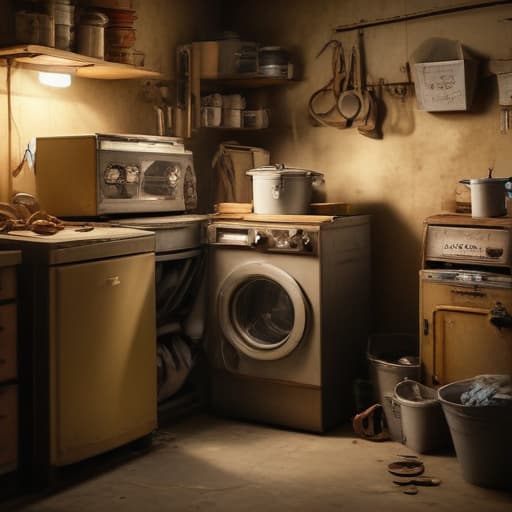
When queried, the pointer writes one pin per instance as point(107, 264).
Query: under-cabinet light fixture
point(55, 79)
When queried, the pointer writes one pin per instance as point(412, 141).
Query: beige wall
point(88, 106)
point(413, 171)
point(409, 174)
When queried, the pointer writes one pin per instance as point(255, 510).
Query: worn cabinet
point(8, 362)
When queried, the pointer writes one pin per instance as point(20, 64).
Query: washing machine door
point(262, 311)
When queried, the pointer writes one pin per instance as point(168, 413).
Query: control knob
point(300, 240)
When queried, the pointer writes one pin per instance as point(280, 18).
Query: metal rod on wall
point(420, 14)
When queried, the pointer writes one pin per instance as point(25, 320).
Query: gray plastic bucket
point(384, 353)
point(424, 427)
point(481, 437)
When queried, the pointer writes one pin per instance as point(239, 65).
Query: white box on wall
point(444, 76)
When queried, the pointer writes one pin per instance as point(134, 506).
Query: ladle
point(350, 100)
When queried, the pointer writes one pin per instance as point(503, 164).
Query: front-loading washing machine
point(288, 318)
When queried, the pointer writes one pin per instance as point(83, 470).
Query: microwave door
point(120, 181)
point(170, 179)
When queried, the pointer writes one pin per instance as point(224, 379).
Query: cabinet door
point(8, 358)
point(8, 428)
point(461, 341)
point(7, 283)
point(102, 355)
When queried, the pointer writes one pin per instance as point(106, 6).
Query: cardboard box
point(444, 76)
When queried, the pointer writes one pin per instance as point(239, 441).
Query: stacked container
point(120, 35)
point(35, 23)
point(64, 24)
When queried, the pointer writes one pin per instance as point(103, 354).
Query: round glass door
point(262, 311)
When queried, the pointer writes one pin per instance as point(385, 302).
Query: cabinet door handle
point(469, 293)
point(113, 281)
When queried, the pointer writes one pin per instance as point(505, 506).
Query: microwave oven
point(102, 174)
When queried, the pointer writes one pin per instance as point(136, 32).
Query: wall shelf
point(246, 81)
point(44, 58)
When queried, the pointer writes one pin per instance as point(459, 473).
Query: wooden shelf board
point(247, 81)
point(43, 57)
point(241, 129)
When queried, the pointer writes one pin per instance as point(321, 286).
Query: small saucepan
point(488, 196)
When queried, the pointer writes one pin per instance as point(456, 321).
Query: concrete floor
point(208, 463)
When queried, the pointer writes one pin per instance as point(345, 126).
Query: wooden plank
point(465, 219)
point(255, 217)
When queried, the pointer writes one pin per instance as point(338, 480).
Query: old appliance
point(87, 375)
point(104, 174)
point(288, 317)
point(180, 309)
point(465, 297)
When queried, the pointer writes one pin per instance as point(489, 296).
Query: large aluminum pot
point(278, 190)
point(488, 196)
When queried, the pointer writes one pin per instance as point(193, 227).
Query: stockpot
point(488, 196)
point(280, 190)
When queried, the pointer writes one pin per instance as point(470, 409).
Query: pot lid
point(477, 181)
point(281, 170)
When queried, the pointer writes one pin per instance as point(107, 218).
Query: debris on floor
point(370, 424)
point(409, 471)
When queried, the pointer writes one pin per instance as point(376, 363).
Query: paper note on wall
point(441, 85)
point(505, 88)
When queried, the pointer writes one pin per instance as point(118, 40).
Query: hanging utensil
point(361, 91)
point(350, 100)
point(332, 88)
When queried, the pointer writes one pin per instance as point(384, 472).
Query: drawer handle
point(470, 294)
point(113, 281)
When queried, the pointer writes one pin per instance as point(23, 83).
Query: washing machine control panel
point(293, 240)
point(282, 239)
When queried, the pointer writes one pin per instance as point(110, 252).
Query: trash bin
point(424, 427)
point(393, 358)
point(481, 437)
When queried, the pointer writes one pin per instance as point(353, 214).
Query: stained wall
point(108, 106)
point(413, 171)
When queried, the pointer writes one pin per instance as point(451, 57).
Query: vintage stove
point(465, 297)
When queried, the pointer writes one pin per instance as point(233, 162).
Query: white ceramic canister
point(277, 190)
point(64, 13)
point(487, 196)
point(91, 34)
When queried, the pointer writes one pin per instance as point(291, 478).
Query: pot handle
point(318, 179)
point(508, 187)
point(465, 182)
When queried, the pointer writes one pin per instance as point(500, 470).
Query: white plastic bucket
point(481, 437)
point(424, 428)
